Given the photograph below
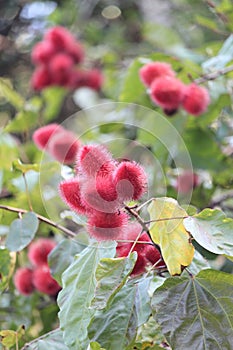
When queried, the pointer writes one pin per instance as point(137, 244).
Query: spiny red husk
point(130, 180)
point(106, 226)
point(196, 99)
point(23, 280)
point(167, 92)
point(93, 79)
point(64, 147)
point(44, 282)
point(41, 78)
point(42, 135)
point(91, 158)
point(42, 52)
point(186, 181)
point(153, 70)
point(147, 254)
point(70, 193)
point(39, 250)
point(60, 64)
point(100, 194)
point(56, 57)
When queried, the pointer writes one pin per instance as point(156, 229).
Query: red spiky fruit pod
point(91, 158)
point(23, 280)
point(196, 99)
point(106, 226)
point(42, 135)
point(151, 253)
point(60, 67)
point(39, 250)
point(167, 92)
point(64, 147)
point(42, 52)
point(70, 193)
point(44, 282)
point(86, 78)
point(60, 37)
point(153, 70)
point(41, 78)
point(130, 180)
point(100, 194)
point(75, 50)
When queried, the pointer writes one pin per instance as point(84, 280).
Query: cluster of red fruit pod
point(99, 190)
point(170, 93)
point(56, 57)
point(37, 277)
point(60, 143)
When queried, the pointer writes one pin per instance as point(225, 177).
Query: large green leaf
point(78, 291)
point(22, 231)
point(203, 149)
point(5, 266)
point(167, 230)
point(23, 121)
point(50, 341)
point(196, 312)
point(115, 327)
point(212, 230)
point(62, 256)
point(111, 275)
point(7, 92)
point(133, 89)
point(142, 301)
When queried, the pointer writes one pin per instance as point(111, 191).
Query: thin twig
point(134, 213)
point(41, 218)
point(213, 75)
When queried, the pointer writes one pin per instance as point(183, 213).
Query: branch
point(213, 75)
point(134, 213)
point(41, 218)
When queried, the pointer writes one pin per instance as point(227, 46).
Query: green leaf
point(10, 94)
point(62, 256)
point(198, 264)
point(95, 346)
point(142, 301)
point(50, 341)
point(22, 231)
point(224, 56)
point(167, 230)
point(53, 98)
point(23, 121)
point(75, 298)
point(203, 149)
point(196, 312)
point(115, 327)
point(23, 168)
point(5, 268)
point(212, 230)
point(5, 260)
point(111, 275)
point(133, 89)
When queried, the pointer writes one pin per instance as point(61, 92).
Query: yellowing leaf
point(167, 230)
point(8, 338)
